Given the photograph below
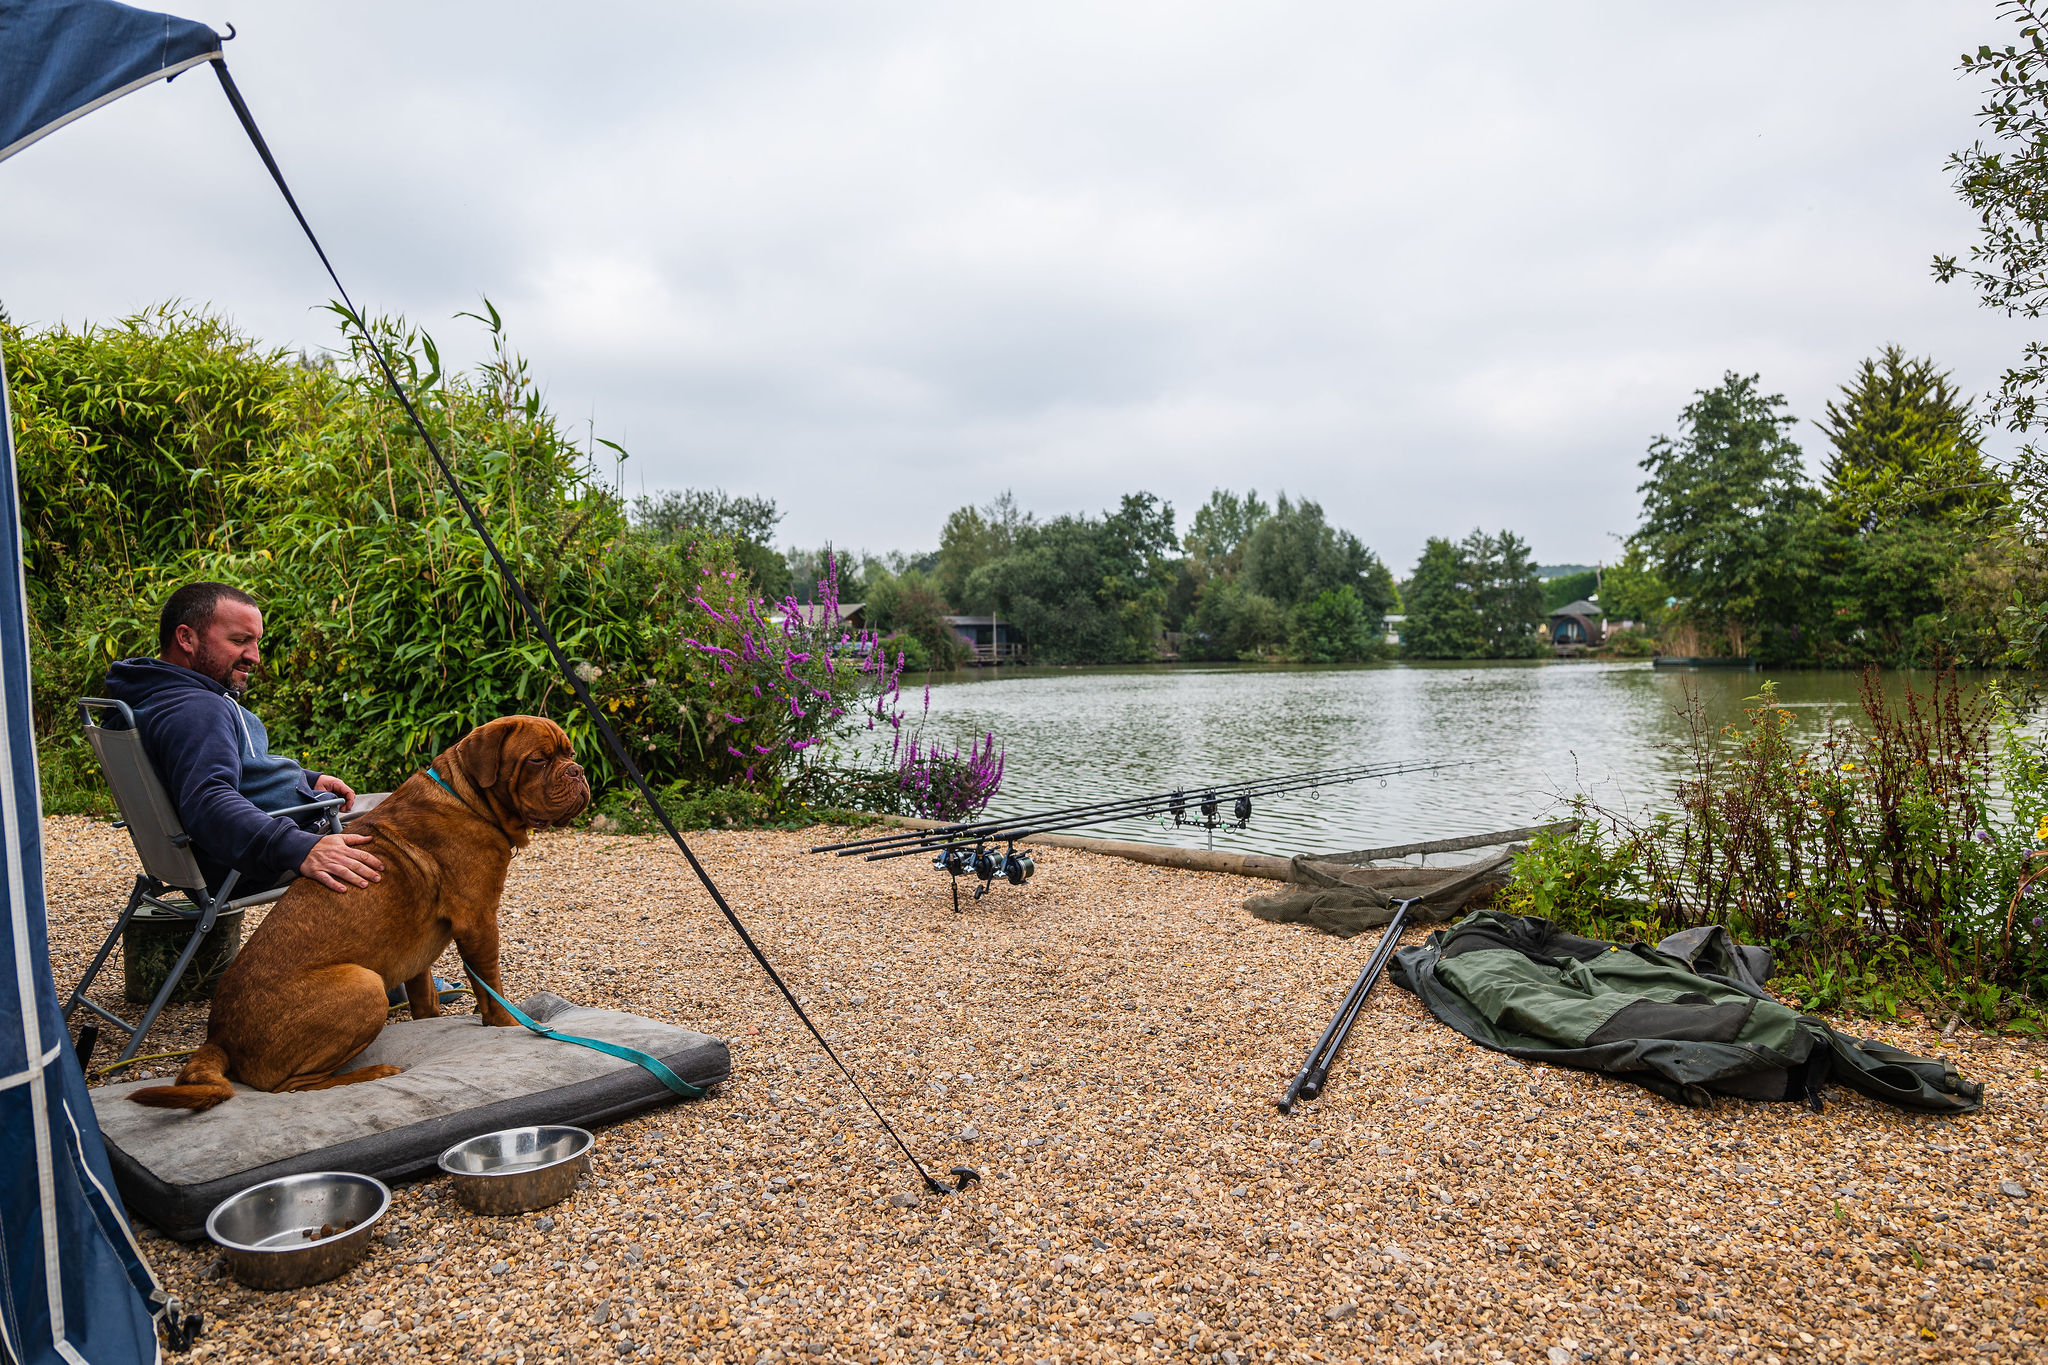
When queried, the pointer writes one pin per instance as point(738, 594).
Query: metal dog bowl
point(298, 1230)
point(518, 1170)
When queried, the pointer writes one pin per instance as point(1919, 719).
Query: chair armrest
point(330, 804)
point(324, 803)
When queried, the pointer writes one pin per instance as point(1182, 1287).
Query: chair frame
point(168, 867)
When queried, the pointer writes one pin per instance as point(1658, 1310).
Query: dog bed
point(460, 1079)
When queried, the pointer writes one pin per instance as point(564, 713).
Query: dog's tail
point(201, 1085)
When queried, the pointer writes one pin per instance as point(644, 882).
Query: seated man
point(214, 755)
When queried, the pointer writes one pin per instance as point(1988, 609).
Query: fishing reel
point(986, 865)
point(1211, 808)
point(1018, 867)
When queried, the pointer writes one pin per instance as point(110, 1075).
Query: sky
point(1434, 266)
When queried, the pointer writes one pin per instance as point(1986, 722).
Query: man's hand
point(328, 782)
point(335, 864)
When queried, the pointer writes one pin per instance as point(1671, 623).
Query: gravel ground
point(1104, 1045)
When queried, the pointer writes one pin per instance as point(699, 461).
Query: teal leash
point(654, 1066)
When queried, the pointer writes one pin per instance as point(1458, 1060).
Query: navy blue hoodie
point(215, 761)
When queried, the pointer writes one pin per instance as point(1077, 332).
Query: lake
point(1529, 735)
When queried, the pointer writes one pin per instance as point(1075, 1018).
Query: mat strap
point(652, 1065)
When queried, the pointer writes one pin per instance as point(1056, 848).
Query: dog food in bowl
point(518, 1170)
point(298, 1230)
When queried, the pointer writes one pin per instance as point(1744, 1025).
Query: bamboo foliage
point(168, 447)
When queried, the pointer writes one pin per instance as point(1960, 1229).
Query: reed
point(1891, 860)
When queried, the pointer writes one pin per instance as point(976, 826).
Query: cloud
point(1434, 268)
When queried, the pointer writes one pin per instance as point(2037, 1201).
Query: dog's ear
point(483, 751)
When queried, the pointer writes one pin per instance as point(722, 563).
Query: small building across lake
point(853, 616)
point(1579, 624)
point(989, 639)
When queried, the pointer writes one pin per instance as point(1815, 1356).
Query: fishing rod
point(968, 850)
point(1315, 1071)
point(967, 829)
point(1180, 804)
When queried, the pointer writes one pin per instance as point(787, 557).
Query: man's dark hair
point(194, 605)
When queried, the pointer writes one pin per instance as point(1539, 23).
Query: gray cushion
point(460, 1079)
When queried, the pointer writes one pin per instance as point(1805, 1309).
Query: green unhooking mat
point(1688, 1019)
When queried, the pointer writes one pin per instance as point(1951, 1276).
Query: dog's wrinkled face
point(526, 762)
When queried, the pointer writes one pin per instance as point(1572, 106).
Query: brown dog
point(309, 990)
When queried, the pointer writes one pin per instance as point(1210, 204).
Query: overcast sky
point(1435, 266)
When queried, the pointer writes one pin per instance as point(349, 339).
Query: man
point(214, 755)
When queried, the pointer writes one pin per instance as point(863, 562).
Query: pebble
point(1597, 1220)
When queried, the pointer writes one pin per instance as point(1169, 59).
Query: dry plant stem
point(1102, 1043)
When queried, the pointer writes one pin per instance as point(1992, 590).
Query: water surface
point(1529, 736)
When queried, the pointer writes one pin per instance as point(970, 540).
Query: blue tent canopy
point(75, 1289)
point(62, 59)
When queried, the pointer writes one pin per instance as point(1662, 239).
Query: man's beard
point(220, 667)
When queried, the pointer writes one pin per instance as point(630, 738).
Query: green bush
point(168, 448)
point(1332, 628)
point(916, 656)
point(1629, 644)
point(1901, 861)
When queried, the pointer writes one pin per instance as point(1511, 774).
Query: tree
point(692, 514)
point(1566, 589)
point(1233, 622)
point(1906, 446)
point(1887, 596)
point(1221, 527)
point(1506, 594)
point(1083, 589)
point(1631, 590)
point(1721, 503)
point(1294, 556)
point(807, 570)
point(908, 604)
point(2006, 184)
point(972, 538)
point(1443, 614)
point(1332, 629)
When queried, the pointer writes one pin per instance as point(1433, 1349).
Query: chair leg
point(163, 996)
point(100, 958)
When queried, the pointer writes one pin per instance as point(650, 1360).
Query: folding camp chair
point(167, 862)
